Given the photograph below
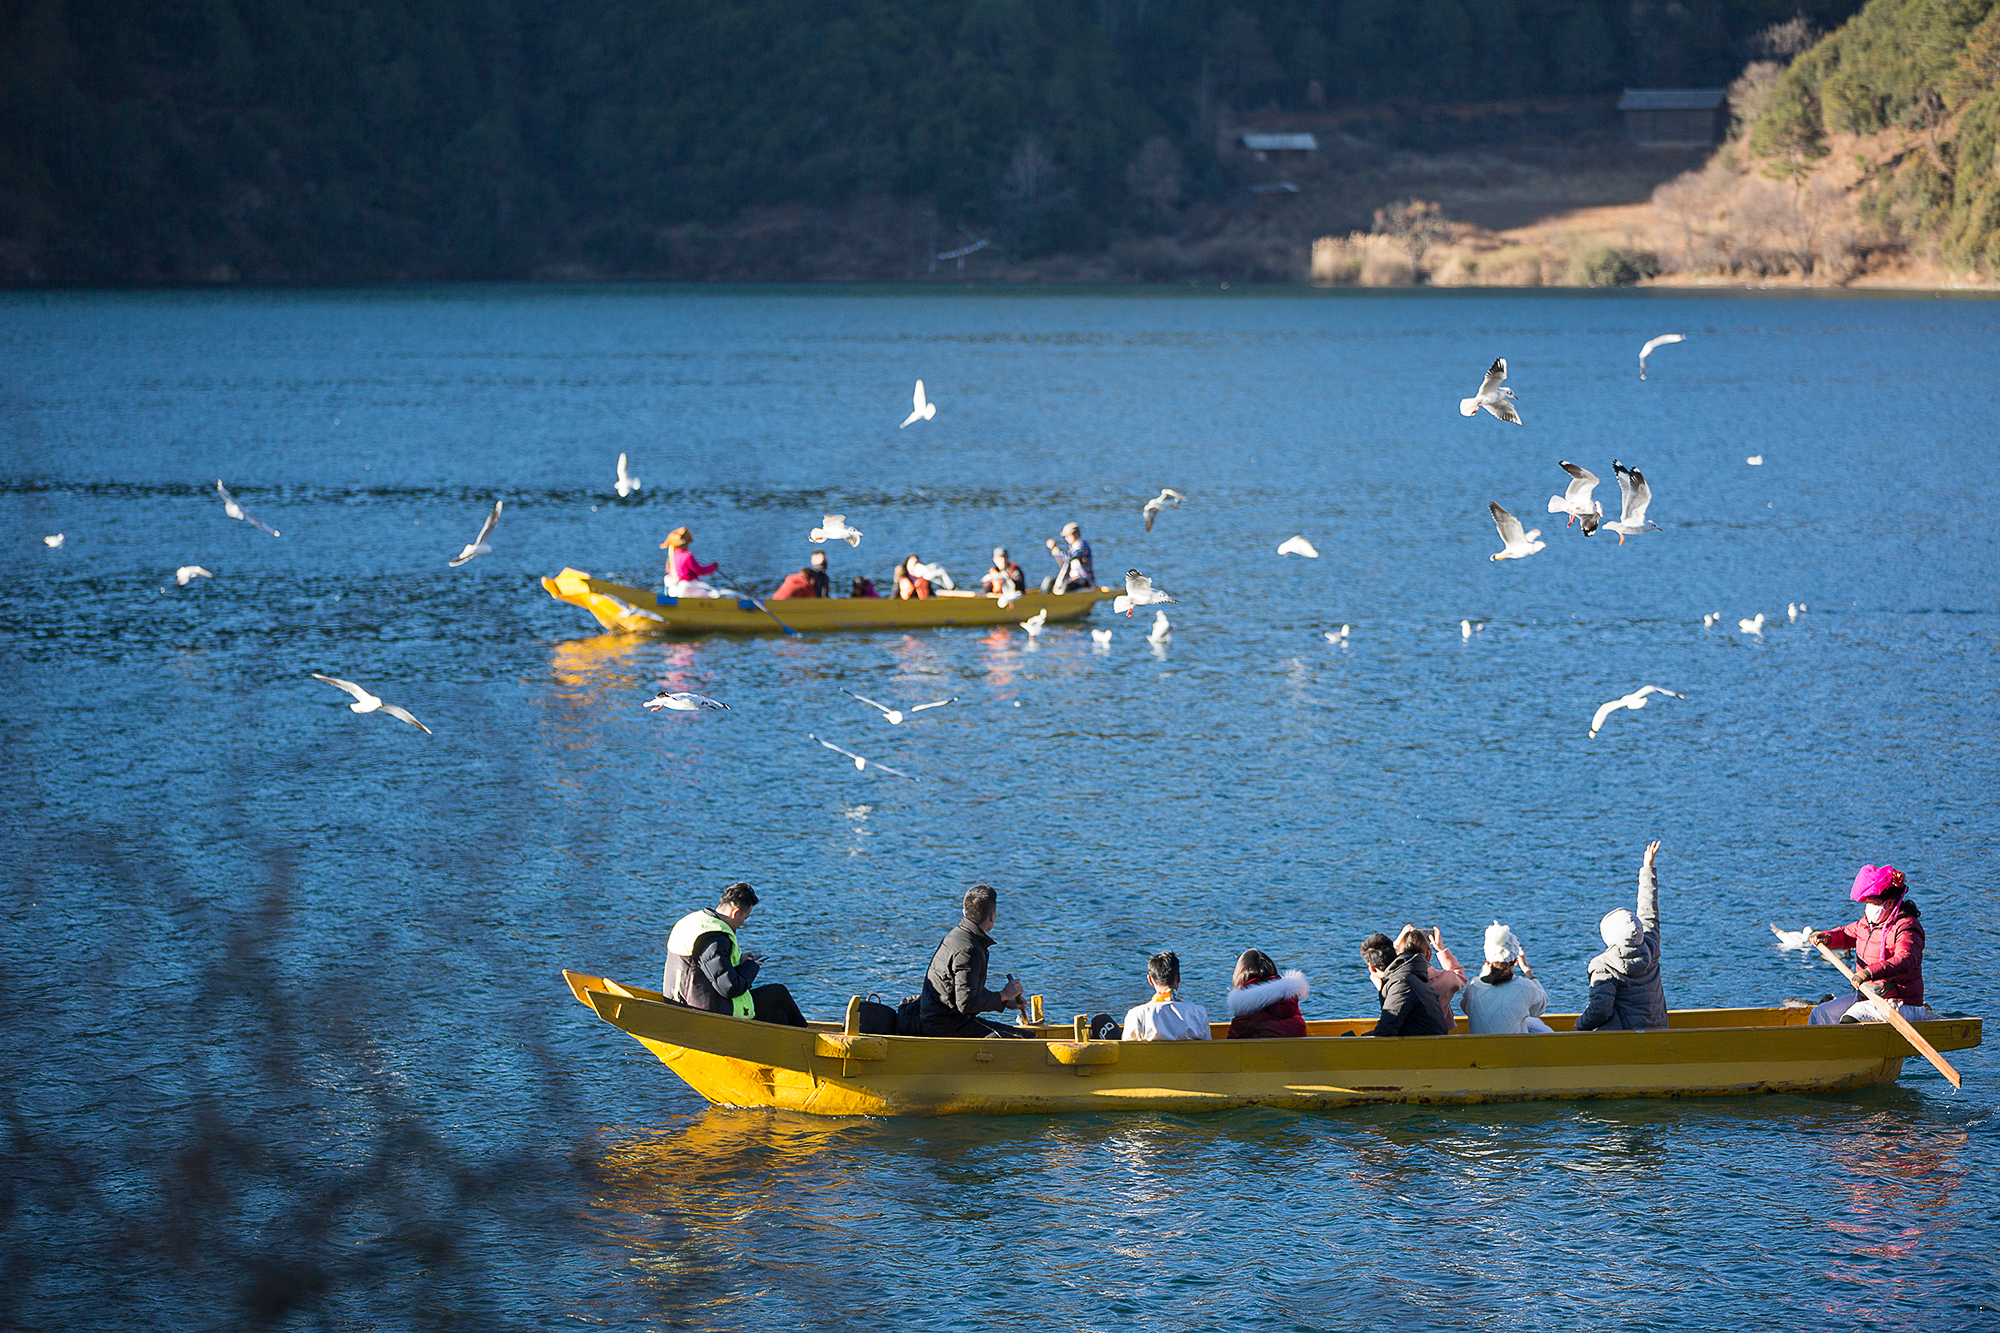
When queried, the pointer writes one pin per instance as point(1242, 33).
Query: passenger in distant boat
point(1888, 944)
point(1505, 997)
point(911, 585)
point(808, 582)
point(955, 991)
point(1073, 564)
point(1165, 1018)
point(862, 587)
point(1625, 989)
point(707, 968)
point(1262, 1003)
point(1410, 1005)
point(684, 572)
point(1004, 574)
point(1447, 974)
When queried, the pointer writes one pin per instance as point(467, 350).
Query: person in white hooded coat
point(1625, 989)
point(1505, 997)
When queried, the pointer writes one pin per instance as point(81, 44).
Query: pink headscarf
point(1871, 881)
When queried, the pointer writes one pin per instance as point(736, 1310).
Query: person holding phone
point(708, 969)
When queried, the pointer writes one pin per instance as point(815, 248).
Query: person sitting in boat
point(684, 572)
point(1165, 1018)
point(1004, 575)
point(1505, 997)
point(862, 587)
point(707, 968)
point(911, 585)
point(1447, 974)
point(1263, 1003)
point(1410, 1006)
point(955, 991)
point(1888, 944)
point(808, 582)
point(1073, 565)
point(1625, 989)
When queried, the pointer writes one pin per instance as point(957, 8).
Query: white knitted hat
point(1501, 944)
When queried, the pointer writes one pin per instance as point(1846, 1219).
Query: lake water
point(286, 1039)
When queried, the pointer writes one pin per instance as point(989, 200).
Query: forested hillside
point(166, 140)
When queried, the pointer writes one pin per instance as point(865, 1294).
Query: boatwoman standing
point(1888, 944)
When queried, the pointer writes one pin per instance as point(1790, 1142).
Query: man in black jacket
point(955, 991)
point(1410, 1005)
point(707, 968)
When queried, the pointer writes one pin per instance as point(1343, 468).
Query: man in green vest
point(707, 968)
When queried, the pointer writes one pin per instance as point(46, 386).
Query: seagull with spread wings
point(1298, 546)
point(1519, 545)
point(680, 701)
point(1139, 591)
point(187, 573)
point(833, 528)
point(1166, 499)
point(1634, 701)
point(478, 545)
point(1493, 395)
point(1651, 343)
point(1637, 495)
point(627, 483)
point(860, 764)
point(364, 702)
point(1576, 501)
point(234, 510)
point(896, 715)
point(922, 409)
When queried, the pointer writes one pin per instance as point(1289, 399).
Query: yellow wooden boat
point(619, 606)
point(832, 1069)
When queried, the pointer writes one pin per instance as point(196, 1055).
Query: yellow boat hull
point(825, 1070)
point(619, 606)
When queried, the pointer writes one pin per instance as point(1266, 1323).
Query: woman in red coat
point(1264, 1004)
point(1888, 944)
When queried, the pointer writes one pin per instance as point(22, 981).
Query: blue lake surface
point(286, 1040)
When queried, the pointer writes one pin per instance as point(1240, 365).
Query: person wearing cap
point(1888, 944)
point(1075, 569)
point(808, 582)
point(684, 572)
point(1625, 988)
point(707, 968)
point(1003, 575)
point(1165, 1018)
point(1504, 997)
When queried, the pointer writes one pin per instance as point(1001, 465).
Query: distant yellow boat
point(619, 606)
point(832, 1069)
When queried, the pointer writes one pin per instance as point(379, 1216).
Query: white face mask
point(1872, 911)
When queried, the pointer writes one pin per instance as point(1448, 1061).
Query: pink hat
point(1872, 881)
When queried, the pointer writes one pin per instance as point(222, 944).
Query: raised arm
point(1649, 892)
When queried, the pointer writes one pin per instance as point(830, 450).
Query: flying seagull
point(479, 545)
point(53, 540)
point(1519, 545)
point(1166, 499)
point(234, 510)
point(1139, 591)
point(1660, 341)
point(1162, 630)
point(1635, 701)
point(833, 528)
point(187, 573)
point(364, 702)
point(922, 411)
point(1033, 624)
point(935, 573)
point(897, 715)
point(1637, 494)
point(1793, 939)
point(1576, 501)
point(1298, 546)
point(860, 764)
point(1492, 395)
point(627, 483)
point(682, 702)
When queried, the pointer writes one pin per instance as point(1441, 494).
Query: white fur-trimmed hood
point(1250, 999)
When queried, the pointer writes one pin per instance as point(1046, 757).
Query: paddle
point(1893, 1012)
point(758, 603)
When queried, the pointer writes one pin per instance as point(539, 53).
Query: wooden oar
point(1892, 1011)
point(758, 603)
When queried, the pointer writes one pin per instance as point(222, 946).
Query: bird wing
point(1152, 508)
point(396, 712)
point(1166, 493)
point(1502, 408)
point(1583, 482)
point(866, 700)
point(1137, 586)
point(835, 748)
point(1636, 494)
point(1509, 526)
point(1660, 341)
point(360, 695)
point(1604, 711)
point(486, 528)
point(257, 523)
point(939, 704)
point(1496, 375)
point(917, 398)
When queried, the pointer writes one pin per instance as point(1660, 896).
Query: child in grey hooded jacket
point(1625, 989)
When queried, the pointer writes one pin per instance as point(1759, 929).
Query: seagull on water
point(1298, 546)
point(1793, 939)
point(682, 702)
point(895, 715)
point(234, 510)
point(1336, 635)
point(187, 573)
point(1166, 499)
point(1162, 630)
point(1660, 341)
point(921, 410)
point(1101, 637)
point(1033, 624)
point(1139, 591)
point(1710, 619)
point(627, 483)
point(364, 702)
point(1792, 612)
point(1465, 626)
point(1576, 501)
point(833, 528)
point(1752, 626)
point(478, 545)
point(1635, 701)
point(860, 764)
point(53, 540)
point(1519, 545)
point(1755, 460)
point(1492, 395)
point(1637, 494)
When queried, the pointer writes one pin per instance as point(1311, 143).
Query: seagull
point(1298, 546)
point(1755, 460)
point(1491, 396)
point(1164, 500)
point(53, 540)
point(922, 411)
point(234, 510)
point(1710, 619)
point(682, 702)
point(1008, 596)
point(935, 573)
point(1101, 637)
point(479, 546)
point(1336, 636)
point(860, 764)
point(1635, 700)
point(1465, 626)
point(627, 483)
point(1519, 545)
point(1792, 939)
point(187, 573)
point(1792, 612)
point(894, 715)
point(1139, 591)
point(834, 529)
point(1033, 624)
point(1660, 341)
point(364, 702)
point(1752, 626)
point(1632, 520)
point(1162, 630)
point(1576, 501)
point(626, 608)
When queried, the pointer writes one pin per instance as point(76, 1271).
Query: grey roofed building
point(1675, 117)
point(1280, 143)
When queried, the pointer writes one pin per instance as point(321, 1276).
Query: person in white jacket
point(1164, 1018)
point(1505, 997)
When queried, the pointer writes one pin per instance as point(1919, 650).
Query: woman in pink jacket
point(1888, 944)
point(684, 572)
